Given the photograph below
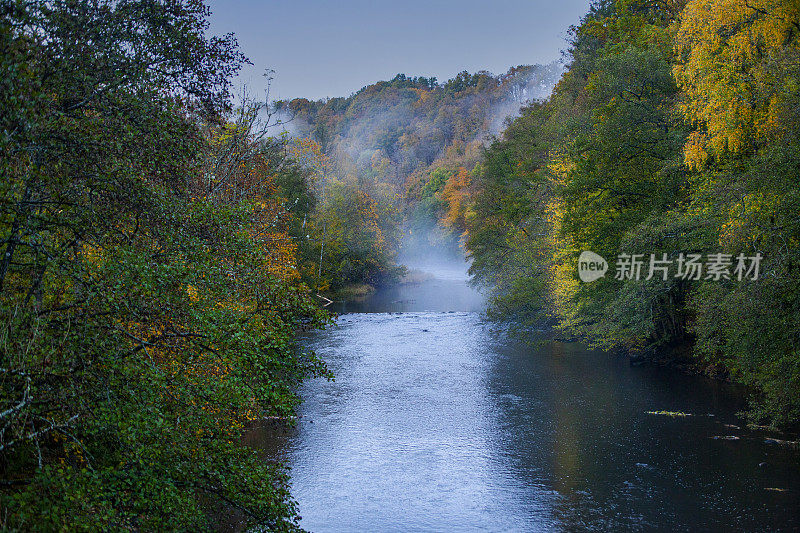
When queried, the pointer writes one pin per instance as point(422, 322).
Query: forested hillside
point(673, 134)
point(393, 156)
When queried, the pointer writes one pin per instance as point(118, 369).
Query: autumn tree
point(146, 289)
point(674, 130)
point(738, 65)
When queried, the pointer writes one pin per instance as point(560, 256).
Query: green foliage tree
point(738, 66)
point(147, 289)
point(674, 130)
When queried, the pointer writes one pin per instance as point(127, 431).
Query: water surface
point(440, 421)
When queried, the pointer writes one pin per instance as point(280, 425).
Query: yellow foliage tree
point(730, 54)
point(456, 195)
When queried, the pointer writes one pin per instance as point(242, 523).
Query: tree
point(738, 65)
point(674, 131)
point(147, 296)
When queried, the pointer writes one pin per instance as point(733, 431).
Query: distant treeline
point(402, 146)
point(675, 130)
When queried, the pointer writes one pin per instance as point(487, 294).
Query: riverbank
point(358, 291)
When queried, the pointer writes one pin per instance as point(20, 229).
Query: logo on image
point(591, 266)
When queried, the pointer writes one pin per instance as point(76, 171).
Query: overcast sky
point(333, 48)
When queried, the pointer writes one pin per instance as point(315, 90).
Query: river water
point(440, 420)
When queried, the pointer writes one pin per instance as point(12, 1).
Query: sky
point(333, 48)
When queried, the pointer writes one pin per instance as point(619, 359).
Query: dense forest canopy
point(409, 122)
point(148, 284)
point(673, 132)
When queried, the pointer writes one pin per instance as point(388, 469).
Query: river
point(440, 420)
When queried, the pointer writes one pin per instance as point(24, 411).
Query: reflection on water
point(439, 421)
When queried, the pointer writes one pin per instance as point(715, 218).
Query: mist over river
point(440, 420)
